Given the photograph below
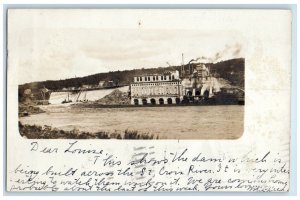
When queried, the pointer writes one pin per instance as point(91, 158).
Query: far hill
point(232, 70)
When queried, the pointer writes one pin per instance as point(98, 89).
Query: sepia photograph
point(149, 100)
point(139, 79)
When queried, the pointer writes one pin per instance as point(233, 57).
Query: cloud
point(229, 51)
point(81, 65)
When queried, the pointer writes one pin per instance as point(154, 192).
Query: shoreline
point(48, 132)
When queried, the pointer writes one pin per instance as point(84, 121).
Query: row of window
point(154, 101)
point(153, 84)
point(156, 91)
point(158, 94)
point(154, 78)
point(152, 88)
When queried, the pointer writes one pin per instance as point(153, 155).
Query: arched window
point(206, 94)
point(136, 102)
point(153, 102)
point(161, 101)
point(144, 101)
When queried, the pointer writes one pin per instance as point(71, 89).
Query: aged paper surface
point(148, 100)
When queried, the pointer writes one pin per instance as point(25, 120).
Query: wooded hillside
point(232, 70)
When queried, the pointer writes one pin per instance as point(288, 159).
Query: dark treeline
point(117, 77)
point(232, 70)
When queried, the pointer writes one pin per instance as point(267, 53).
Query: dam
point(81, 96)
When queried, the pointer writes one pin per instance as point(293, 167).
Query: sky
point(53, 45)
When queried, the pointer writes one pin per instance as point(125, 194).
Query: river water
point(186, 122)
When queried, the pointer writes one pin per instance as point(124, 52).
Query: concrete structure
point(202, 71)
point(194, 85)
point(156, 89)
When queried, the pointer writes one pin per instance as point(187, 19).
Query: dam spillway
point(90, 95)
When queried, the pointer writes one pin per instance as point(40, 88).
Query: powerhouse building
point(156, 89)
point(193, 85)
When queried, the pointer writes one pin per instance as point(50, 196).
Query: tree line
point(232, 70)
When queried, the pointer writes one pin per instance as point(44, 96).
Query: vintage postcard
point(132, 100)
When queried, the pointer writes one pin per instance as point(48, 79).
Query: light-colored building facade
point(156, 89)
point(169, 88)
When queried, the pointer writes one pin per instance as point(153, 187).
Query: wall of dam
point(91, 95)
